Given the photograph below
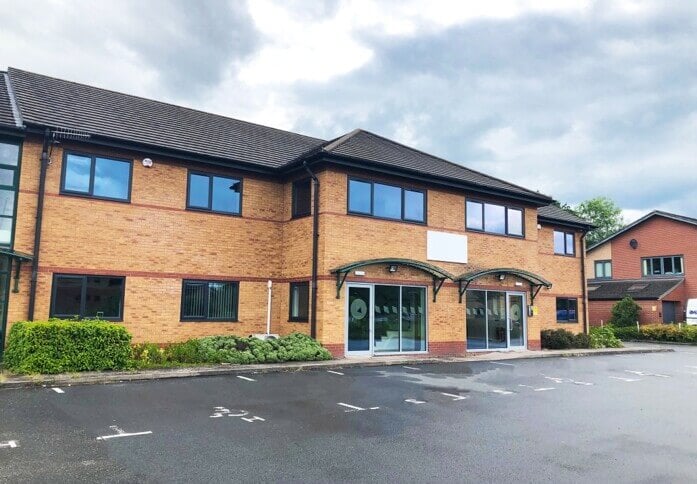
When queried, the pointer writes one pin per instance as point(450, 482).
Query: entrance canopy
point(392, 265)
point(536, 282)
point(14, 255)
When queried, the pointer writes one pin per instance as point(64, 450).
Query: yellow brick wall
point(155, 242)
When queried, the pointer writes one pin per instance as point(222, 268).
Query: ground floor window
point(495, 320)
point(299, 301)
point(87, 296)
point(567, 310)
point(386, 319)
point(209, 300)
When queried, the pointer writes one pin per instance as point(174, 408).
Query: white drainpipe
point(268, 309)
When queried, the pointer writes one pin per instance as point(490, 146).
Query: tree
point(625, 312)
point(604, 214)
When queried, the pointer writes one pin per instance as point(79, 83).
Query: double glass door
point(383, 319)
point(495, 320)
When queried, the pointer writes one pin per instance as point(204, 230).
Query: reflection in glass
point(358, 319)
point(515, 221)
point(359, 197)
point(199, 186)
point(559, 242)
point(388, 201)
point(413, 319)
point(515, 316)
point(475, 218)
point(386, 314)
point(476, 320)
point(67, 296)
point(103, 297)
point(7, 202)
point(226, 195)
point(77, 173)
point(111, 178)
point(496, 319)
point(495, 219)
point(5, 230)
point(7, 177)
point(9, 154)
point(413, 205)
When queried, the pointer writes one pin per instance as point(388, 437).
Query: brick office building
point(173, 221)
point(649, 260)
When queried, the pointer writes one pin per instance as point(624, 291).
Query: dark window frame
point(573, 245)
point(15, 184)
point(568, 320)
point(90, 192)
point(402, 188)
point(210, 176)
point(302, 318)
point(603, 262)
point(83, 296)
point(295, 213)
point(506, 208)
point(663, 272)
point(208, 282)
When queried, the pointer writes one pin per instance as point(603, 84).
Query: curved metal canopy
point(439, 275)
point(536, 282)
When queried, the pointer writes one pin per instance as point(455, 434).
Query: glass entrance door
point(516, 320)
point(358, 319)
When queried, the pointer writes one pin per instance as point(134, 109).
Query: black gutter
point(315, 248)
point(586, 326)
point(37, 227)
point(573, 225)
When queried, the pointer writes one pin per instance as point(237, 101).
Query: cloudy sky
point(574, 98)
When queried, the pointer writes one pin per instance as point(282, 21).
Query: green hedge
point(232, 349)
point(658, 332)
point(604, 338)
point(562, 339)
point(58, 346)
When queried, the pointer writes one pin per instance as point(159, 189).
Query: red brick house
point(652, 260)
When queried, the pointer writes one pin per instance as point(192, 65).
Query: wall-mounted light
point(633, 243)
point(147, 162)
point(392, 268)
point(502, 277)
point(359, 273)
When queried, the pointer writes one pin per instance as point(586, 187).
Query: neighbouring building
point(650, 260)
point(175, 222)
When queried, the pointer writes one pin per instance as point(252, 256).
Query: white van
point(691, 312)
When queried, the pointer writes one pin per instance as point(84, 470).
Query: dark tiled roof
point(636, 288)
point(655, 213)
point(557, 214)
point(6, 116)
point(57, 103)
point(364, 145)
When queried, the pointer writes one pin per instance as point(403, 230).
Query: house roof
point(646, 289)
point(108, 115)
point(655, 213)
point(7, 117)
point(555, 214)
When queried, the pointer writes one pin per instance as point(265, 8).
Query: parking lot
point(621, 418)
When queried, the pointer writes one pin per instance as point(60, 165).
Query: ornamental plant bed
point(663, 333)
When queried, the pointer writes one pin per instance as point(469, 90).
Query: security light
point(392, 268)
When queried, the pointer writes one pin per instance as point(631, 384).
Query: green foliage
point(148, 354)
point(557, 339)
point(625, 313)
point(582, 340)
point(188, 352)
point(58, 346)
point(604, 338)
point(669, 332)
point(626, 333)
point(604, 214)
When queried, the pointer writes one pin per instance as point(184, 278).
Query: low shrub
point(582, 340)
point(148, 354)
point(626, 333)
point(557, 339)
point(188, 352)
point(625, 313)
point(603, 337)
point(669, 332)
point(57, 346)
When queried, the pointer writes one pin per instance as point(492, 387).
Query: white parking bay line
point(624, 379)
point(10, 444)
point(57, 390)
point(352, 407)
point(502, 364)
point(411, 368)
point(245, 378)
point(646, 373)
point(335, 372)
point(544, 389)
point(453, 396)
point(502, 392)
point(120, 433)
point(414, 401)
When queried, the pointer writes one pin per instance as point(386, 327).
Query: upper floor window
point(97, 176)
point(494, 219)
point(603, 269)
point(386, 201)
point(214, 193)
point(88, 296)
point(9, 161)
point(209, 300)
point(659, 266)
point(302, 198)
point(564, 243)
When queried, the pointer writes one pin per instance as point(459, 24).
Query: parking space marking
point(502, 364)
point(624, 379)
point(10, 444)
point(120, 433)
point(253, 419)
point(57, 390)
point(540, 389)
point(411, 368)
point(335, 372)
point(414, 401)
point(454, 397)
point(646, 373)
point(502, 392)
point(245, 378)
point(354, 408)
point(556, 379)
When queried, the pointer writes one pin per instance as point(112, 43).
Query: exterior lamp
point(502, 277)
point(392, 268)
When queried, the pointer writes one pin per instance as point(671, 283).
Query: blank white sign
point(446, 247)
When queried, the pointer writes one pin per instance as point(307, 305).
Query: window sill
point(300, 215)
point(209, 321)
point(567, 322)
point(94, 197)
point(213, 212)
point(386, 219)
point(570, 256)
point(306, 320)
point(495, 234)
